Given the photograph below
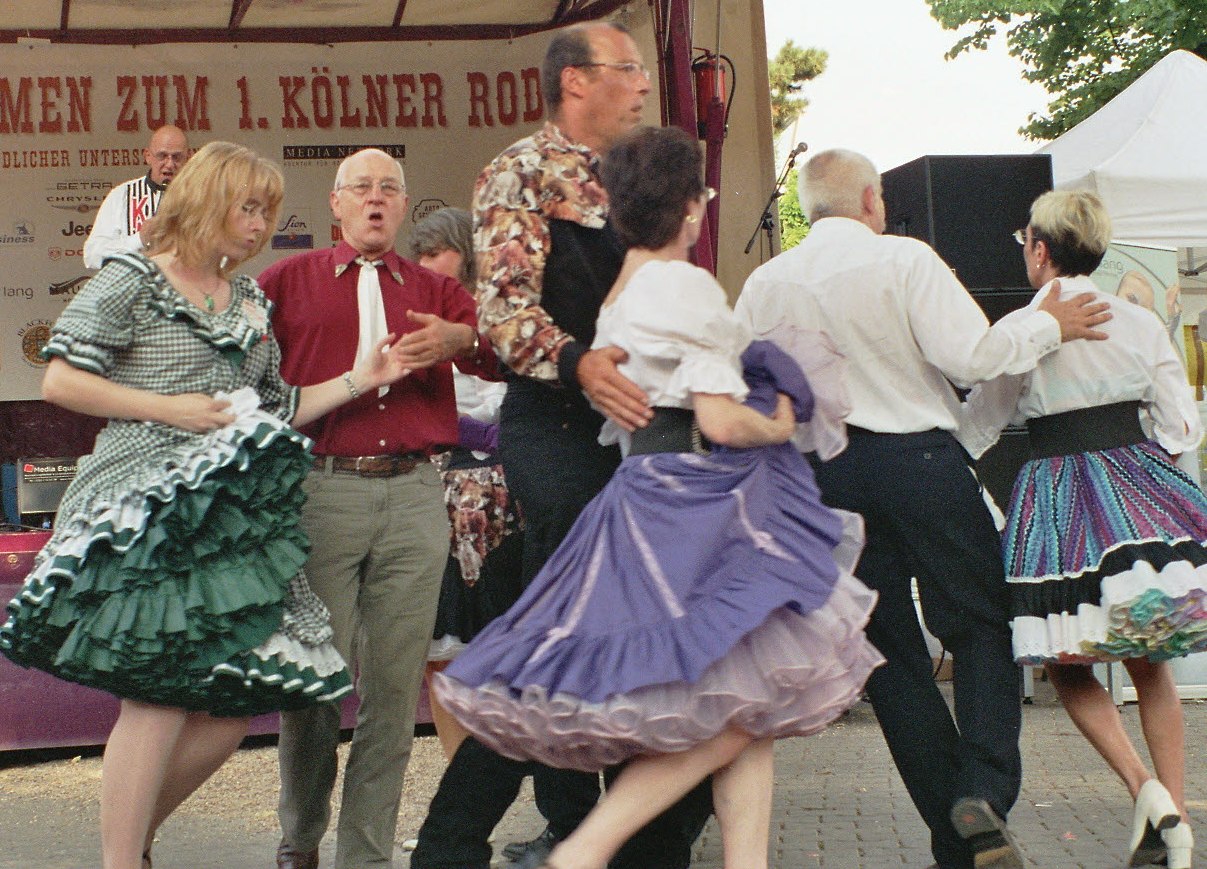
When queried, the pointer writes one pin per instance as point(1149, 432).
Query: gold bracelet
point(352, 390)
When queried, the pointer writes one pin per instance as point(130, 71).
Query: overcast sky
point(887, 90)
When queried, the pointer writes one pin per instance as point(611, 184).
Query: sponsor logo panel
point(81, 195)
point(293, 153)
point(69, 287)
point(293, 232)
point(20, 231)
point(33, 337)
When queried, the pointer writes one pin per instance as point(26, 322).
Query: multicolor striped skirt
point(1106, 554)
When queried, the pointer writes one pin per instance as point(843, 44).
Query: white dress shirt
point(1136, 363)
point(907, 327)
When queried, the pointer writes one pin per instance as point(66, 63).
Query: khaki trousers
point(379, 548)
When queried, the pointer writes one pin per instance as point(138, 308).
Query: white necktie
point(371, 310)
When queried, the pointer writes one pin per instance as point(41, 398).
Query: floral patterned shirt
point(538, 179)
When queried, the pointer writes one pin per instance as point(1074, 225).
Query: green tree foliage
point(787, 73)
point(1083, 52)
point(794, 226)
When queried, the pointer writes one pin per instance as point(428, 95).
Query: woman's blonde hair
point(1076, 227)
point(192, 213)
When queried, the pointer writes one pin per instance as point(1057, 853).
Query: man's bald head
point(836, 183)
point(166, 153)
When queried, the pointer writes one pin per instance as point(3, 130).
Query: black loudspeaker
point(1001, 463)
point(966, 207)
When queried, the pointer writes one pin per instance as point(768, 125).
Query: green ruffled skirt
point(189, 594)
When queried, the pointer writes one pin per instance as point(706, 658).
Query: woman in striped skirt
point(1106, 538)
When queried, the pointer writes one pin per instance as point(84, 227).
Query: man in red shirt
point(375, 514)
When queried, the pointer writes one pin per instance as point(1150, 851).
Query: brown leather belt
point(371, 466)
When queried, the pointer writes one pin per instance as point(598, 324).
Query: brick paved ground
point(838, 803)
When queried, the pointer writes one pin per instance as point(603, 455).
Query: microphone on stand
point(766, 222)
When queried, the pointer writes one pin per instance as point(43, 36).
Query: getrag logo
point(81, 196)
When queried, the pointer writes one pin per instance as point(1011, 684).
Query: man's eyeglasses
point(361, 189)
point(628, 67)
point(1020, 235)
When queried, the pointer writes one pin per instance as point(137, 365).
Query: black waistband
point(672, 430)
point(1089, 428)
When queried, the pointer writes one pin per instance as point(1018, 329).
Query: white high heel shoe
point(1155, 813)
point(1179, 843)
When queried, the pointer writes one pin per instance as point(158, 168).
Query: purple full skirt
point(694, 593)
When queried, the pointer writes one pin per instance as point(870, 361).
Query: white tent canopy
point(1145, 154)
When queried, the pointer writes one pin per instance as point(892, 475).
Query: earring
point(691, 218)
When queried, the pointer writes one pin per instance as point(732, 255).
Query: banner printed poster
point(1148, 276)
point(74, 120)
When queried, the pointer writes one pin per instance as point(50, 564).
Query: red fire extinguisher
point(708, 70)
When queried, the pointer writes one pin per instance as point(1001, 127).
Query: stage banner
point(74, 120)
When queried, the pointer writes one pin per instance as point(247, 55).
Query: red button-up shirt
point(316, 322)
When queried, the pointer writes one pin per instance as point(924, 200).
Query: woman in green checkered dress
point(173, 576)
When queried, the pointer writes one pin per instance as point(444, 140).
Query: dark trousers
point(480, 785)
point(554, 466)
point(925, 518)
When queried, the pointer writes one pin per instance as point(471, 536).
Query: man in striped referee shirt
point(129, 205)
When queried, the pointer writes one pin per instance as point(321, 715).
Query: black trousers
point(554, 466)
point(925, 518)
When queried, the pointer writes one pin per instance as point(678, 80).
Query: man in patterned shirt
point(129, 205)
point(546, 262)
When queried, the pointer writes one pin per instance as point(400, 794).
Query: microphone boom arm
point(766, 221)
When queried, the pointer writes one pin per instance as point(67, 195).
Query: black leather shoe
point(986, 834)
point(287, 858)
point(530, 854)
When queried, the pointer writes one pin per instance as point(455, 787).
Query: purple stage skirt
point(1106, 555)
point(694, 593)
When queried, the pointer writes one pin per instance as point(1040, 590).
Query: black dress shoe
point(287, 858)
point(986, 834)
point(530, 854)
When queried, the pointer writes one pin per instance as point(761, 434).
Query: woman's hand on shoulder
point(194, 411)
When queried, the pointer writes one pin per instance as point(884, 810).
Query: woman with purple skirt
point(703, 604)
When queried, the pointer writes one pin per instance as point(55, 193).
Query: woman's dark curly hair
point(651, 174)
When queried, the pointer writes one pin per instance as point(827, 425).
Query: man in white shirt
point(909, 331)
point(129, 205)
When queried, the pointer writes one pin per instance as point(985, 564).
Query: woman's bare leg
point(1093, 711)
point(643, 790)
point(1161, 720)
point(136, 760)
point(203, 746)
point(741, 798)
point(448, 729)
